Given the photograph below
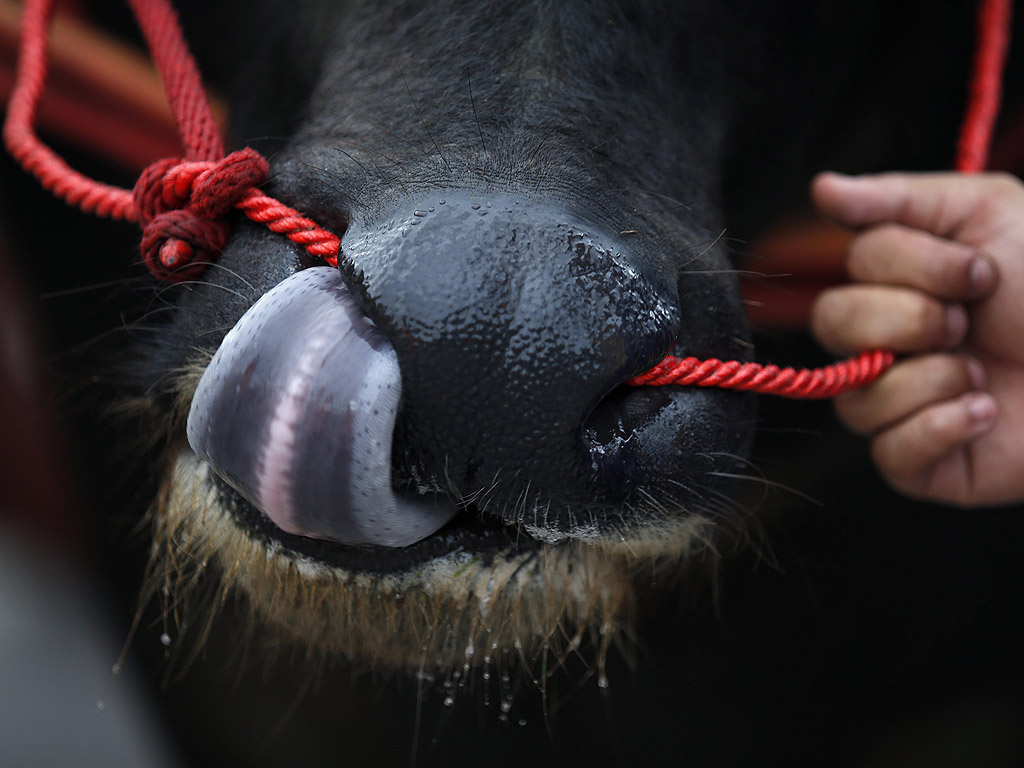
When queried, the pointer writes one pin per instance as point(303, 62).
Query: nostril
point(608, 436)
point(665, 443)
point(296, 411)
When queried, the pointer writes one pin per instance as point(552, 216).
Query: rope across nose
point(183, 205)
point(182, 208)
point(804, 384)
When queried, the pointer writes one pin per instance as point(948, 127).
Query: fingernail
point(956, 324)
point(982, 410)
point(981, 275)
point(975, 373)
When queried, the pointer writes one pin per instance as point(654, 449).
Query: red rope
point(807, 383)
point(986, 85)
point(182, 204)
point(19, 135)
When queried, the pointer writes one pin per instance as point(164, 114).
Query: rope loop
point(182, 207)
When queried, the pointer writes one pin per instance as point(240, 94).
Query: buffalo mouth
point(473, 585)
point(476, 582)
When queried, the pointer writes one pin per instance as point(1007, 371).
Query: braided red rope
point(986, 85)
point(806, 383)
point(182, 203)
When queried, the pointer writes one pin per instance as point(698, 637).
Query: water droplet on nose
point(419, 213)
point(448, 701)
point(475, 206)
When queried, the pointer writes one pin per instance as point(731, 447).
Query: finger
point(857, 317)
point(908, 387)
point(911, 454)
point(937, 203)
point(897, 255)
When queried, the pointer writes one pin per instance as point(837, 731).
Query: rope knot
point(181, 207)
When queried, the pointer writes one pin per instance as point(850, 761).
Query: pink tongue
point(296, 411)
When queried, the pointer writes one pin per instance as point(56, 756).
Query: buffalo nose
point(511, 320)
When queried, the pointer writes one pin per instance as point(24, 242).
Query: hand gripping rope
point(181, 204)
point(972, 155)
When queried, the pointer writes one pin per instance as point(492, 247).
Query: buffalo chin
point(469, 591)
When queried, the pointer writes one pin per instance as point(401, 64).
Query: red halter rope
point(181, 203)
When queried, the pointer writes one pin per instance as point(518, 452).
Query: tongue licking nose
point(296, 411)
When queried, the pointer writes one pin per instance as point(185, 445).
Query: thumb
point(938, 203)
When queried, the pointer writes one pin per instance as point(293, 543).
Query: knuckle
point(1002, 192)
point(1006, 184)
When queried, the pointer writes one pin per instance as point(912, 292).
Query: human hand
point(938, 270)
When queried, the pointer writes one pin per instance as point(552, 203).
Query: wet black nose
point(512, 320)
